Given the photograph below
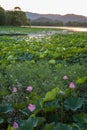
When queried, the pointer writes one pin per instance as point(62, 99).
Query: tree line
point(58, 23)
point(16, 17)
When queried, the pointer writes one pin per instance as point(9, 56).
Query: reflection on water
point(77, 29)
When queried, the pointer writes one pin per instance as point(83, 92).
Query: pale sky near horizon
point(48, 6)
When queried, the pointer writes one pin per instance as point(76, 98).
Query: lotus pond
point(43, 81)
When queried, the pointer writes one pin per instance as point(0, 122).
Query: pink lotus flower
point(65, 77)
point(29, 88)
point(15, 125)
point(71, 85)
point(31, 107)
point(14, 90)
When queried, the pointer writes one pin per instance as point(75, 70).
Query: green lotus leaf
point(51, 95)
point(1, 120)
point(73, 103)
point(81, 118)
point(29, 124)
point(6, 108)
point(61, 126)
point(49, 126)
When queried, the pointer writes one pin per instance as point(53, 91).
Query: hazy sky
point(48, 6)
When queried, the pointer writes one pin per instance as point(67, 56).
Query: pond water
point(76, 29)
point(62, 30)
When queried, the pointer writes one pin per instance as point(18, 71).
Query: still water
point(76, 29)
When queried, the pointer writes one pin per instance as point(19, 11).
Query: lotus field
point(43, 80)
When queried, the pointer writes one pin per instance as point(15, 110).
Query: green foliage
point(42, 64)
point(61, 126)
point(18, 18)
point(81, 118)
point(49, 126)
point(13, 18)
point(23, 30)
point(10, 128)
point(72, 115)
point(6, 108)
point(55, 49)
point(43, 79)
point(81, 80)
point(73, 103)
point(1, 120)
point(51, 95)
point(29, 124)
point(51, 110)
point(2, 16)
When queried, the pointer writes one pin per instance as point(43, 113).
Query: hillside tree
point(18, 17)
point(2, 16)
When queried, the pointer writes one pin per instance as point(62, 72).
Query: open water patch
point(13, 34)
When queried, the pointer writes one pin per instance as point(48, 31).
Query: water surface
point(76, 29)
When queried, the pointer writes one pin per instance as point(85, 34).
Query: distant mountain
point(57, 17)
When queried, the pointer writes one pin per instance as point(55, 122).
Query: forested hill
point(53, 17)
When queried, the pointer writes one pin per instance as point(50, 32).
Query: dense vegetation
point(43, 82)
point(24, 30)
point(13, 18)
point(48, 22)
